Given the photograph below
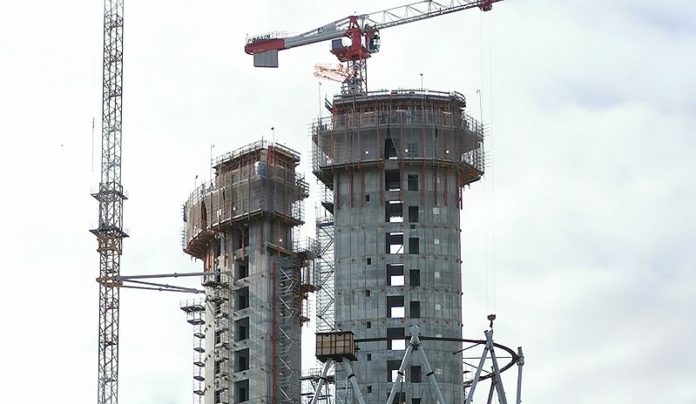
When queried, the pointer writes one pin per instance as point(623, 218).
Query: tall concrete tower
point(394, 164)
point(241, 225)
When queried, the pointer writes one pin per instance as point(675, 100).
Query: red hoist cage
point(362, 32)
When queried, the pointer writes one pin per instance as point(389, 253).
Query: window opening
point(243, 298)
point(392, 369)
point(412, 183)
point(413, 214)
point(414, 277)
point(394, 243)
point(242, 330)
point(414, 309)
point(395, 275)
point(245, 236)
point(416, 376)
point(392, 180)
point(242, 360)
point(413, 245)
point(242, 269)
point(395, 307)
point(396, 339)
point(394, 212)
point(242, 391)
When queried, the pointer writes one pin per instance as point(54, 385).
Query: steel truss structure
point(109, 232)
point(319, 379)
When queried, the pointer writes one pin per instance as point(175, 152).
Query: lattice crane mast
point(362, 32)
point(109, 231)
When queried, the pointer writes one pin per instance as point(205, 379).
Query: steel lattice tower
point(110, 232)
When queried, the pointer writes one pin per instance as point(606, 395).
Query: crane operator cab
point(373, 43)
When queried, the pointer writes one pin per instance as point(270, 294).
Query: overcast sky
point(587, 223)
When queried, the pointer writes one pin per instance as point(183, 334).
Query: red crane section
point(361, 30)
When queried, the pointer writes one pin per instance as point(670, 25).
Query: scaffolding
point(255, 181)
point(295, 279)
point(412, 126)
point(325, 263)
point(195, 312)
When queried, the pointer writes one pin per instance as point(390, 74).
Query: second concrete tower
point(394, 164)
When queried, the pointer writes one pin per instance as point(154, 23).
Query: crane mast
point(109, 232)
point(363, 34)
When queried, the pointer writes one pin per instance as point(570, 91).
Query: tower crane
point(362, 32)
point(109, 231)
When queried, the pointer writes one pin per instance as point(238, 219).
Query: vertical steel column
point(520, 363)
point(110, 232)
point(322, 379)
point(354, 383)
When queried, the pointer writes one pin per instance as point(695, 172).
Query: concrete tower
point(241, 224)
point(396, 163)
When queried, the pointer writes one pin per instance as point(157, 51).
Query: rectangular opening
point(217, 247)
point(395, 307)
point(241, 360)
point(414, 277)
point(392, 369)
point(242, 328)
point(412, 183)
point(413, 245)
point(392, 180)
point(242, 298)
point(394, 243)
point(241, 390)
point(242, 269)
point(395, 274)
point(237, 237)
point(394, 212)
point(245, 236)
point(413, 214)
point(396, 339)
point(414, 309)
point(416, 376)
point(369, 261)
